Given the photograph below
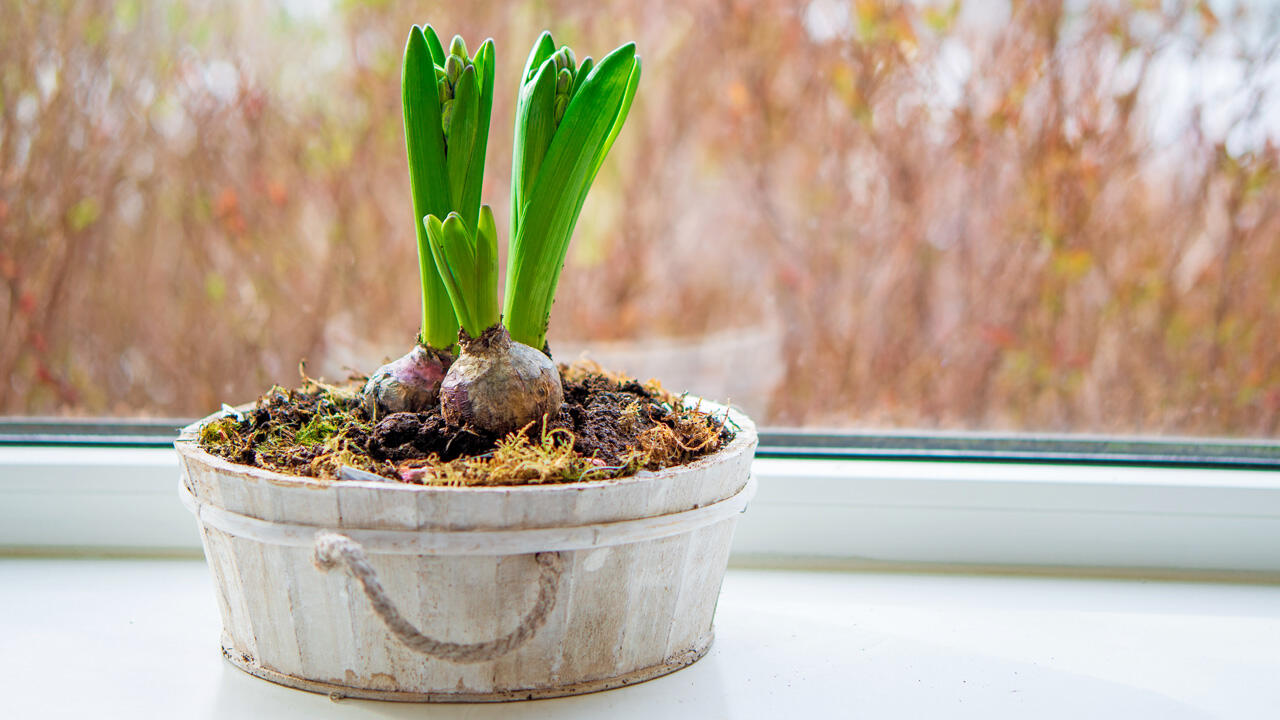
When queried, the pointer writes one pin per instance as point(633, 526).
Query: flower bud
point(444, 89)
point(562, 102)
point(453, 68)
point(564, 81)
point(458, 48)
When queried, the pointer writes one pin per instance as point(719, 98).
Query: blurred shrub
point(976, 216)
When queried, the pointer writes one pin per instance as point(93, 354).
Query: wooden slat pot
point(403, 592)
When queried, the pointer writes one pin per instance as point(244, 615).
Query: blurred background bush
point(1037, 216)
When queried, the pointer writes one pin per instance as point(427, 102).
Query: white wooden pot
point(466, 594)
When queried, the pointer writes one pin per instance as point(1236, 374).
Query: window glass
point(1038, 216)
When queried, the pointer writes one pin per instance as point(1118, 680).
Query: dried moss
point(685, 437)
point(518, 460)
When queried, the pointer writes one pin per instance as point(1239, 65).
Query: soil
point(609, 426)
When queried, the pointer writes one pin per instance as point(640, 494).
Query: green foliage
point(534, 123)
point(567, 118)
point(468, 263)
point(447, 100)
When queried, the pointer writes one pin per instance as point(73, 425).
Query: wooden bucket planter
point(438, 594)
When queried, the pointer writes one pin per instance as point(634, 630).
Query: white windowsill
point(139, 638)
point(862, 513)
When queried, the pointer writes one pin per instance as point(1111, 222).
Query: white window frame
point(854, 513)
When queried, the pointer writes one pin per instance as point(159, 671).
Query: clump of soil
point(609, 426)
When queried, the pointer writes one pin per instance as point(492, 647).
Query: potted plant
point(507, 528)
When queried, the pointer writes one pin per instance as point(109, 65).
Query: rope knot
point(328, 550)
point(549, 560)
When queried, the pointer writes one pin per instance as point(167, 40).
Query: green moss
point(317, 430)
point(220, 432)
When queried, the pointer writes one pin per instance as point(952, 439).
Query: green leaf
point(451, 247)
point(468, 266)
point(461, 144)
point(487, 270)
point(428, 182)
point(535, 126)
point(484, 61)
point(633, 81)
point(540, 239)
point(581, 76)
point(542, 49)
point(433, 44)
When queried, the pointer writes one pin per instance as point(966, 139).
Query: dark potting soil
point(615, 425)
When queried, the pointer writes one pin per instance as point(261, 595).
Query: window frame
point(787, 443)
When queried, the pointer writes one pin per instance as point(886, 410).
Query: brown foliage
point(958, 219)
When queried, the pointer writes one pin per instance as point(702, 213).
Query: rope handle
point(333, 550)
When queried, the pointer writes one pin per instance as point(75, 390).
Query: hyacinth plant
point(447, 101)
point(567, 118)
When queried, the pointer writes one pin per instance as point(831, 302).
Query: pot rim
point(744, 441)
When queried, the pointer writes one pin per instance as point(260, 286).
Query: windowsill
point(790, 643)
point(139, 638)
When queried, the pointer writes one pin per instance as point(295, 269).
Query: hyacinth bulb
point(499, 385)
point(408, 384)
